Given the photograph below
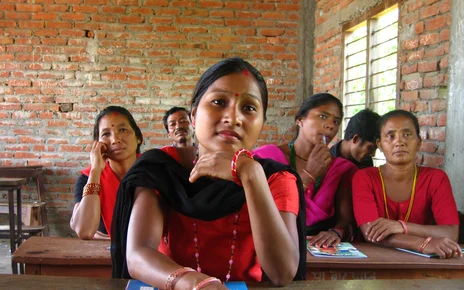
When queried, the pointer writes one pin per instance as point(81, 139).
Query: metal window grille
point(371, 67)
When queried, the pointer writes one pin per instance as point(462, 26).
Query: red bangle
point(405, 227)
point(233, 165)
point(205, 282)
point(173, 276)
point(424, 244)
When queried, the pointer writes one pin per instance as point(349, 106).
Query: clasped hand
point(382, 228)
point(218, 165)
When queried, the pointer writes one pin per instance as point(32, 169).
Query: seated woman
point(213, 208)
point(327, 180)
point(116, 145)
point(403, 205)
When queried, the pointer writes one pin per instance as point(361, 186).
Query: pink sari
point(319, 206)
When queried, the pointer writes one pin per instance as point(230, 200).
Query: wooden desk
point(383, 263)
point(15, 227)
point(57, 256)
point(36, 172)
point(27, 282)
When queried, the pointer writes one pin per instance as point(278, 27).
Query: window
point(371, 66)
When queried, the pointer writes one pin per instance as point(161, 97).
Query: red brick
point(436, 133)
point(159, 3)
point(429, 39)
point(419, 27)
point(263, 6)
point(429, 11)
point(433, 80)
point(438, 105)
point(274, 15)
point(427, 66)
point(34, 8)
point(444, 35)
point(409, 96)
point(436, 23)
point(445, 6)
point(428, 146)
point(408, 69)
point(418, 106)
point(433, 160)
point(427, 120)
point(288, 7)
point(444, 62)
point(410, 44)
point(24, 155)
point(415, 55)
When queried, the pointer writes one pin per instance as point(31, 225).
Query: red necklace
point(232, 247)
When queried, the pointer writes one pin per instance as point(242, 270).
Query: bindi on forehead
point(236, 94)
point(246, 72)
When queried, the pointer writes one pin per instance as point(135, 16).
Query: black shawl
point(206, 199)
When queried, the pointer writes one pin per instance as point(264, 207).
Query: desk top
point(383, 258)
point(63, 251)
point(35, 282)
point(6, 181)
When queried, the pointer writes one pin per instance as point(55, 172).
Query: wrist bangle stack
point(205, 282)
point(424, 244)
point(233, 165)
point(91, 188)
point(405, 227)
point(170, 279)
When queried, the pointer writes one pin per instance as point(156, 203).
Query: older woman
point(117, 140)
point(403, 205)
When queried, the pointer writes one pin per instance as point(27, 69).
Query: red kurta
point(215, 237)
point(433, 202)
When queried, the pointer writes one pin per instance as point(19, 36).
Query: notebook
point(342, 250)
point(139, 285)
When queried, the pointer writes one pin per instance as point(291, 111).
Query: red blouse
point(433, 202)
point(215, 237)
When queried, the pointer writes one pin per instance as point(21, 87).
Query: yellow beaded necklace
point(411, 200)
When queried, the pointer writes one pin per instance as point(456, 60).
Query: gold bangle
point(92, 188)
point(309, 174)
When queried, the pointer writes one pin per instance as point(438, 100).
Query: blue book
point(422, 254)
point(139, 285)
point(342, 250)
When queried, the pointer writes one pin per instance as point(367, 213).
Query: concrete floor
point(5, 257)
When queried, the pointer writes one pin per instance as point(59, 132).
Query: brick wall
point(63, 61)
point(423, 61)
